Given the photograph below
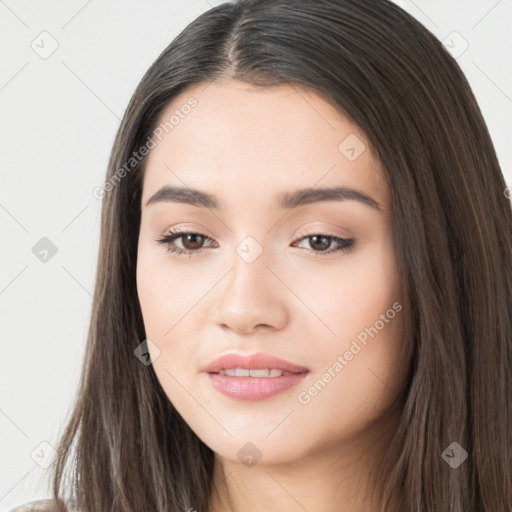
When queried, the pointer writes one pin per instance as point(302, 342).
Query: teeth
point(260, 373)
point(244, 372)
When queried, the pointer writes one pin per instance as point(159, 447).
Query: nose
point(252, 297)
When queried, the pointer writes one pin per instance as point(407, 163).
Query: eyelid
point(319, 228)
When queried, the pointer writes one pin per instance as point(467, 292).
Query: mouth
point(253, 372)
point(253, 377)
point(243, 363)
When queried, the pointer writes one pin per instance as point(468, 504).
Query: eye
point(192, 242)
point(321, 241)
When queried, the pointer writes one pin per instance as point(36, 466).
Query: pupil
point(324, 245)
point(196, 244)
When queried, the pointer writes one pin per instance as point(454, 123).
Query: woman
point(304, 277)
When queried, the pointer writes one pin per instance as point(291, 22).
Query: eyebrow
point(300, 197)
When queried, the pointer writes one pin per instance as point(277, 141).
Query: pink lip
point(253, 388)
point(258, 361)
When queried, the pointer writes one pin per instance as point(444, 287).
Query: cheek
point(166, 291)
point(350, 296)
point(150, 290)
point(158, 301)
point(162, 306)
point(361, 367)
point(169, 296)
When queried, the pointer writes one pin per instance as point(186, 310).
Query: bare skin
point(296, 300)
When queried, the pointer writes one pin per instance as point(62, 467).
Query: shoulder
point(47, 505)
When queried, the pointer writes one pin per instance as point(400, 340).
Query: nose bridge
point(249, 296)
point(249, 272)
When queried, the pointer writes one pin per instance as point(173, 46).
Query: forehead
point(254, 140)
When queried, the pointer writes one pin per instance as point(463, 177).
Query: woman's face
point(259, 276)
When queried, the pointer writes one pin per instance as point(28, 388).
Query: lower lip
point(254, 388)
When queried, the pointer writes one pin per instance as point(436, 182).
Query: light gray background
point(58, 119)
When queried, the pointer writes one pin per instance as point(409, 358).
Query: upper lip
point(258, 361)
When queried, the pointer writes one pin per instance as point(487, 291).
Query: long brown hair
point(127, 449)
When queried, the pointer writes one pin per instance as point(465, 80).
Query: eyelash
point(173, 234)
